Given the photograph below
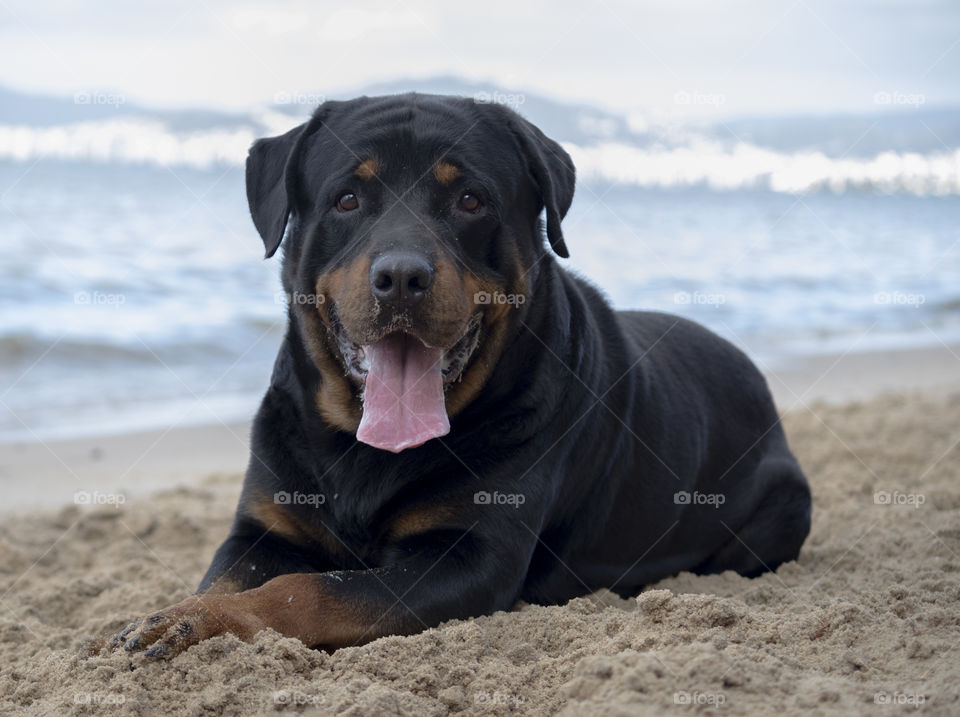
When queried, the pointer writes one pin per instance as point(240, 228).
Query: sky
point(680, 57)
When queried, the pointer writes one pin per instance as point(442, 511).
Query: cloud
point(813, 56)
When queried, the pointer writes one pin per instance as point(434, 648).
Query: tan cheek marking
point(493, 311)
point(497, 321)
point(444, 172)
point(345, 287)
point(326, 287)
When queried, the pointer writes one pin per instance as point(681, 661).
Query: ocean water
point(133, 292)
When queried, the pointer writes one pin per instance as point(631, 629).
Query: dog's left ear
point(271, 182)
point(554, 174)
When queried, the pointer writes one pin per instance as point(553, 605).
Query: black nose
point(401, 278)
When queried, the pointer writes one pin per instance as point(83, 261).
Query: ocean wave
point(705, 162)
point(23, 349)
point(141, 141)
point(744, 166)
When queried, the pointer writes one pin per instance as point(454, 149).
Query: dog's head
point(411, 237)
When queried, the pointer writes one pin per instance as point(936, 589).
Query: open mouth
point(403, 384)
point(453, 360)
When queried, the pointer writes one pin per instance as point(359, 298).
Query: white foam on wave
point(746, 166)
point(127, 140)
point(696, 162)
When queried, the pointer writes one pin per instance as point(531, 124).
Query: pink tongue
point(403, 398)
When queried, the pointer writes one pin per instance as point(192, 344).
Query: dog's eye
point(469, 202)
point(347, 202)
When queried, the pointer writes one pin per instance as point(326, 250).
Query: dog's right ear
point(271, 182)
point(552, 169)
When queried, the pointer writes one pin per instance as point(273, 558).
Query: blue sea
point(134, 295)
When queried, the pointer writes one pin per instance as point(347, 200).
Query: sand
point(49, 474)
point(866, 621)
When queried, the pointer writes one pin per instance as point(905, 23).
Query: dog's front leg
point(462, 577)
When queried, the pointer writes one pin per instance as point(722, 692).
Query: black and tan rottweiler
point(455, 422)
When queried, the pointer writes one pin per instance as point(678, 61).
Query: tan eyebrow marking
point(445, 172)
point(368, 169)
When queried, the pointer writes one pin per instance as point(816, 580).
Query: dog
point(455, 422)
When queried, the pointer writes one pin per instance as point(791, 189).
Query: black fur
point(597, 418)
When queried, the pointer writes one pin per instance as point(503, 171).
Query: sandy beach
point(97, 531)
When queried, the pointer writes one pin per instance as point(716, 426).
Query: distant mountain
point(20, 108)
point(892, 128)
point(567, 121)
point(897, 128)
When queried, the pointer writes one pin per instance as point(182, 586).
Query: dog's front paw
point(169, 632)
